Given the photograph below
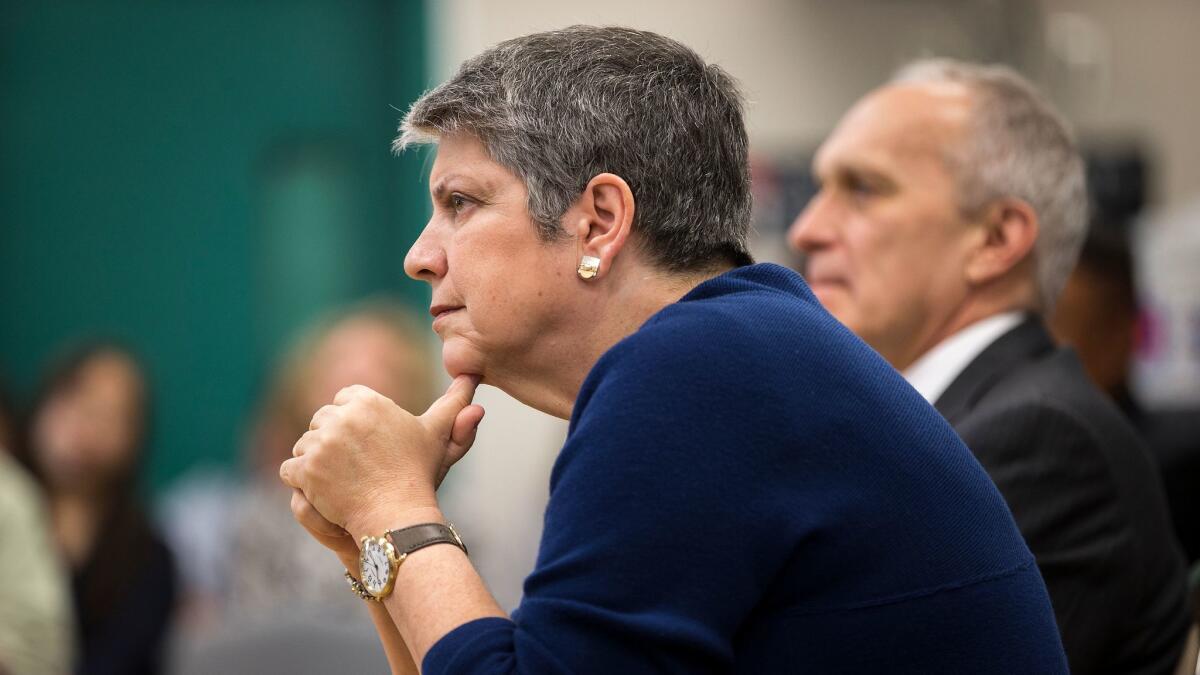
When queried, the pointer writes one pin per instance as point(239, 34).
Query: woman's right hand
point(329, 535)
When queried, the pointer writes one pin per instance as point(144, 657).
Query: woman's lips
point(440, 312)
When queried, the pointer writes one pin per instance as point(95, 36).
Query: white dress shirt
point(936, 369)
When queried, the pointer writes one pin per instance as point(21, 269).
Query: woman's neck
point(637, 293)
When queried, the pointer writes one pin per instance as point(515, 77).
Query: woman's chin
point(459, 358)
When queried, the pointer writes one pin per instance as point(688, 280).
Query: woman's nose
point(426, 260)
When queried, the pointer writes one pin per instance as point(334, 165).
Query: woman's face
point(87, 432)
point(500, 293)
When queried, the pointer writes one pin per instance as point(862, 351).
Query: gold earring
point(589, 267)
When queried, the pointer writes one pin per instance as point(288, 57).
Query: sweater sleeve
point(658, 535)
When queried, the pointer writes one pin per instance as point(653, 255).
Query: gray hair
point(558, 108)
point(1017, 146)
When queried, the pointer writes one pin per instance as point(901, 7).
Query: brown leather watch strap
point(416, 537)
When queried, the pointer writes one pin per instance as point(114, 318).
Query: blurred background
point(203, 194)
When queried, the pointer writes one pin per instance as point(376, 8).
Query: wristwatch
point(380, 557)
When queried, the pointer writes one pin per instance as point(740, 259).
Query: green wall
point(199, 179)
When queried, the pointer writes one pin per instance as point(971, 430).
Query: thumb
point(462, 437)
point(462, 434)
point(289, 472)
point(442, 413)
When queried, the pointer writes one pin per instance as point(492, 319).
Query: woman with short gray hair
point(745, 486)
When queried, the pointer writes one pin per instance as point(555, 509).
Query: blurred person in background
point(745, 486)
point(85, 441)
point(245, 606)
point(35, 612)
point(374, 344)
point(951, 210)
point(1098, 317)
point(1097, 314)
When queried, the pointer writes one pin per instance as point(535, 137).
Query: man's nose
point(815, 226)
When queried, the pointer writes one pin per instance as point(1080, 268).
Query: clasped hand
point(365, 460)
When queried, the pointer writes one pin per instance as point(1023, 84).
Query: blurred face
point(87, 433)
point(360, 349)
point(886, 243)
point(499, 291)
point(1091, 317)
point(365, 351)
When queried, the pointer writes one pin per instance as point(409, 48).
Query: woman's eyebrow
point(478, 188)
point(439, 189)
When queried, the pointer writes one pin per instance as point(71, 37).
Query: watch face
point(376, 568)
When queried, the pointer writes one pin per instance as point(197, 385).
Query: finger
point(445, 410)
point(465, 425)
point(324, 415)
point(352, 392)
point(301, 444)
point(290, 472)
point(307, 515)
point(462, 435)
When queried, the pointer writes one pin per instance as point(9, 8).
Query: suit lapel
point(1026, 341)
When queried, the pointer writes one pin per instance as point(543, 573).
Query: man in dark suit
point(951, 210)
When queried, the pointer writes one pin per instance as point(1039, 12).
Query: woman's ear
point(604, 219)
point(1010, 230)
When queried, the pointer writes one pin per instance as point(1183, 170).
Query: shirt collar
point(931, 374)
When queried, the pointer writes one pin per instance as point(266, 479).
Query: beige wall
point(800, 63)
point(1137, 76)
point(1118, 68)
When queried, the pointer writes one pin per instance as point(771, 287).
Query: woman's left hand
point(326, 533)
point(365, 460)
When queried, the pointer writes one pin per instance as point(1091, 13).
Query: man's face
point(885, 239)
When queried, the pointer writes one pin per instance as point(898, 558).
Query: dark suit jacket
point(1085, 495)
point(1173, 437)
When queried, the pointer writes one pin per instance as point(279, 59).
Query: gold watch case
point(377, 556)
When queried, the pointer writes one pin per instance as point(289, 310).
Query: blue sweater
point(747, 487)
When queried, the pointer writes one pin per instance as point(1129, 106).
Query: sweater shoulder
point(734, 315)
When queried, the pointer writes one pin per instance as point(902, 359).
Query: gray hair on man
point(1017, 146)
point(559, 107)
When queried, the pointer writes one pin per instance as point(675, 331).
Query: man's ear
point(603, 219)
point(1010, 230)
